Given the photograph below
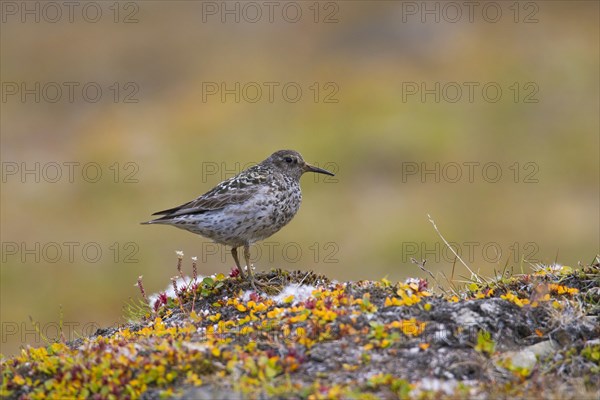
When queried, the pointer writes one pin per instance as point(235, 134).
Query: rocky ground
point(302, 336)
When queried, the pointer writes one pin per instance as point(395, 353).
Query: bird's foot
point(255, 283)
point(260, 287)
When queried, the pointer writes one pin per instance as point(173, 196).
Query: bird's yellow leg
point(250, 273)
point(237, 262)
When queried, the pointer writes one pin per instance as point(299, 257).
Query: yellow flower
point(289, 299)
point(215, 318)
point(193, 379)
point(241, 308)
point(18, 379)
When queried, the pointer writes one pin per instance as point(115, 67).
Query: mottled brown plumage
point(249, 207)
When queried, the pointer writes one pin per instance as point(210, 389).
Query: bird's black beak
point(312, 168)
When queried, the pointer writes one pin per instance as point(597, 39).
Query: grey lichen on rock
point(527, 336)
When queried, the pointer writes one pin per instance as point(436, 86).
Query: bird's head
point(291, 163)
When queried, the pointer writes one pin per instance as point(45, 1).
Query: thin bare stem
point(179, 263)
point(451, 283)
point(473, 274)
point(140, 286)
point(421, 265)
point(194, 268)
point(174, 281)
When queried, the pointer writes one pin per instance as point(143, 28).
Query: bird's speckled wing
point(232, 191)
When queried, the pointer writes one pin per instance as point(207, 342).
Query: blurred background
point(484, 117)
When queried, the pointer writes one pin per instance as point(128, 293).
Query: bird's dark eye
point(288, 160)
